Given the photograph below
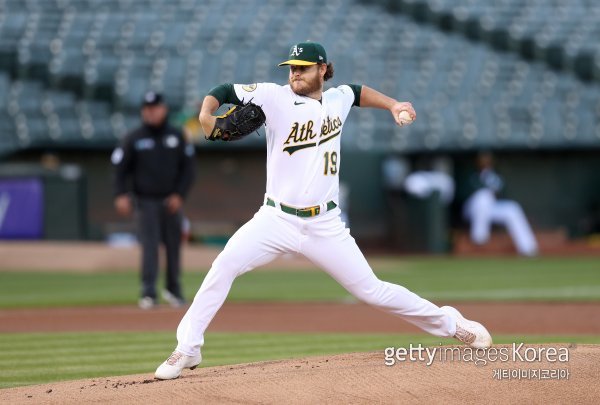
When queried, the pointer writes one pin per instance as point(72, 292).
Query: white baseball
point(404, 117)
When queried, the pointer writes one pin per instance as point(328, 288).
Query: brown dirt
point(349, 378)
point(90, 257)
point(505, 318)
point(360, 378)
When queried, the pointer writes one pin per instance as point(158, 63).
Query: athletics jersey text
point(300, 134)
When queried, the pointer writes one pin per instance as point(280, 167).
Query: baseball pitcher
point(300, 214)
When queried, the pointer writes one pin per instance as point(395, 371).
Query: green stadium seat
point(101, 56)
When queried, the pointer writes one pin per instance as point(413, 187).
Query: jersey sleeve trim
point(225, 94)
point(356, 89)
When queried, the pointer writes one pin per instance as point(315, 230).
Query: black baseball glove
point(238, 122)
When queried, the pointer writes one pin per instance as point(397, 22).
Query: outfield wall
point(558, 189)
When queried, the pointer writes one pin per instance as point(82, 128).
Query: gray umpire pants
point(155, 225)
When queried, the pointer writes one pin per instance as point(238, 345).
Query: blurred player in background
point(156, 164)
point(483, 208)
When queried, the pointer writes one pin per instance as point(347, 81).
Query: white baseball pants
point(325, 241)
point(483, 209)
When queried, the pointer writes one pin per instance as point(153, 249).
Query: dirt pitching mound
point(348, 378)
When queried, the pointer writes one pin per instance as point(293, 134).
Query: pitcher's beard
point(308, 88)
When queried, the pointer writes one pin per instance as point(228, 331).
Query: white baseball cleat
point(469, 332)
point(174, 365)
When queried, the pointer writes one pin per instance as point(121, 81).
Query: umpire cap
point(152, 98)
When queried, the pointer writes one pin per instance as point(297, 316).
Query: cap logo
point(296, 51)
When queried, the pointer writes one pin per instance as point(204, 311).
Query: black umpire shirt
point(159, 161)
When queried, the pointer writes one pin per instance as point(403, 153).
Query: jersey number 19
point(330, 163)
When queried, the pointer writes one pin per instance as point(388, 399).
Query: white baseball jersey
point(303, 146)
point(303, 141)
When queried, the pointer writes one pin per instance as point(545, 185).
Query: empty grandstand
point(73, 71)
point(519, 77)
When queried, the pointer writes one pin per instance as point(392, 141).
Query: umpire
point(155, 163)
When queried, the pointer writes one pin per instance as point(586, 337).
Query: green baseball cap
point(306, 54)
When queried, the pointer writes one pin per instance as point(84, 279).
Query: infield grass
point(444, 278)
point(37, 358)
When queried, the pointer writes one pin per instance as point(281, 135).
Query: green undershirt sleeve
point(356, 89)
point(225, 94)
